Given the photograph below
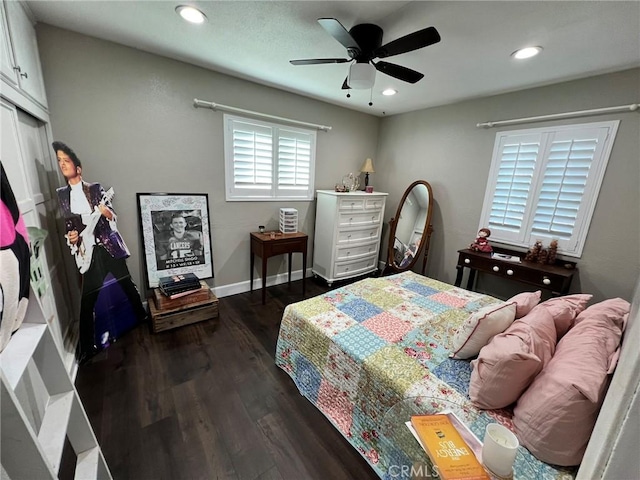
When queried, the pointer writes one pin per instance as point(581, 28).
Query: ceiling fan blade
point(341, 34)
point(345, 85)
point(401, 73)
point(317, 61)
point(408, 43)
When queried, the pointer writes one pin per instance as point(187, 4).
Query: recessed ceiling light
point(526, 52)
point(389, 91)
point(191, 14)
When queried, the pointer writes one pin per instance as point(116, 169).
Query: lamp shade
point(361, 76)
point(367, 166)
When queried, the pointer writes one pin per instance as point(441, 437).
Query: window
point(544, 183)
point(266, 161)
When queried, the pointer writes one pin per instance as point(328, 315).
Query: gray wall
point(443, 146)
point(129, 117)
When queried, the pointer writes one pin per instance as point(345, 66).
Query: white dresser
point(347, 234)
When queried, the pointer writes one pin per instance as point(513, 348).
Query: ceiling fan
point(364, 44)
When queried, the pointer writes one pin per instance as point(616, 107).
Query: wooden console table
point(264, 246)
point(556, 278)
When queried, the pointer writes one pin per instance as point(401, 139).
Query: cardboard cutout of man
point(94, 240)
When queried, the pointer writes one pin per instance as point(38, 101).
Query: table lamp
point(367, 168)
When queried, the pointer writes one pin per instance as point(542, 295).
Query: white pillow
point(481, 327)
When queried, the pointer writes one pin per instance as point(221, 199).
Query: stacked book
point(177, 286)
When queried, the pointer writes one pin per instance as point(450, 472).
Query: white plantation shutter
point(294, 160)
point(266, 161)
point(513, 181)
point(252, 154)
point(563, 187)
point(544, 183)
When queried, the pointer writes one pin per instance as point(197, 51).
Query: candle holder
point(499, 450)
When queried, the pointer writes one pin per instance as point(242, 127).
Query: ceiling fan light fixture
point(388, 92)
point(527, 52)
point(191, 14)
point(361, 76)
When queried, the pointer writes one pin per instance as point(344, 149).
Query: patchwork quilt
point(357, 351)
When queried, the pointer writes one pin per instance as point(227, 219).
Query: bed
point(357, 351)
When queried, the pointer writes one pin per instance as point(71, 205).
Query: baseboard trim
point(242, 287)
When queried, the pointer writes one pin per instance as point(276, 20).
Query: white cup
point(499, 449)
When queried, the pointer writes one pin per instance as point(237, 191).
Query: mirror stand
point(410, 229)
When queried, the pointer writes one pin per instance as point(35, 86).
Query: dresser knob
point(496, 268)
point(351, 220)
point(373, 218)
point(546, 281)
point(348, 253)
point(467, 261)
point(346, 269)
point(509, 272)
point(349, 236)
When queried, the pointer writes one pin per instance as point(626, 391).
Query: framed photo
point(175, 234)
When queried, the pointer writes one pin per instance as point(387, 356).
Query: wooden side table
point(264, 246)
point(556, 278)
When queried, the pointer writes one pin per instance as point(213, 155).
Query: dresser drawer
point(355, 252)
point(352, 219)
point(286, 246)
point(375, 203)
point(349, 269)
point(535, 277)
point(360, 235)
point(351, 204)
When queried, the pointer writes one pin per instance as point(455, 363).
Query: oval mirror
point(410, 230)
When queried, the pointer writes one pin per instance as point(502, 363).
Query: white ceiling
point(255, 40)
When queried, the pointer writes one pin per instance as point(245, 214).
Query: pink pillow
point(511, 361)
point(565, 309)
point(554, 418)
point(481, 327)
point(525, 301)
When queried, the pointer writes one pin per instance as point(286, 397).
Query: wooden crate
point(173, 316)
point(165, 303)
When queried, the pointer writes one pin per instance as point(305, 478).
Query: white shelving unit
point(41, 409)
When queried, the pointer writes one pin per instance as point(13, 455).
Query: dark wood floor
point(206, 401)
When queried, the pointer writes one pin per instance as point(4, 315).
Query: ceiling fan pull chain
point(371, 97)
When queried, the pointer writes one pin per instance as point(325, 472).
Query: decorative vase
point(351, 182)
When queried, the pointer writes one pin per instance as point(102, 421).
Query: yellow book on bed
point(449, 453)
